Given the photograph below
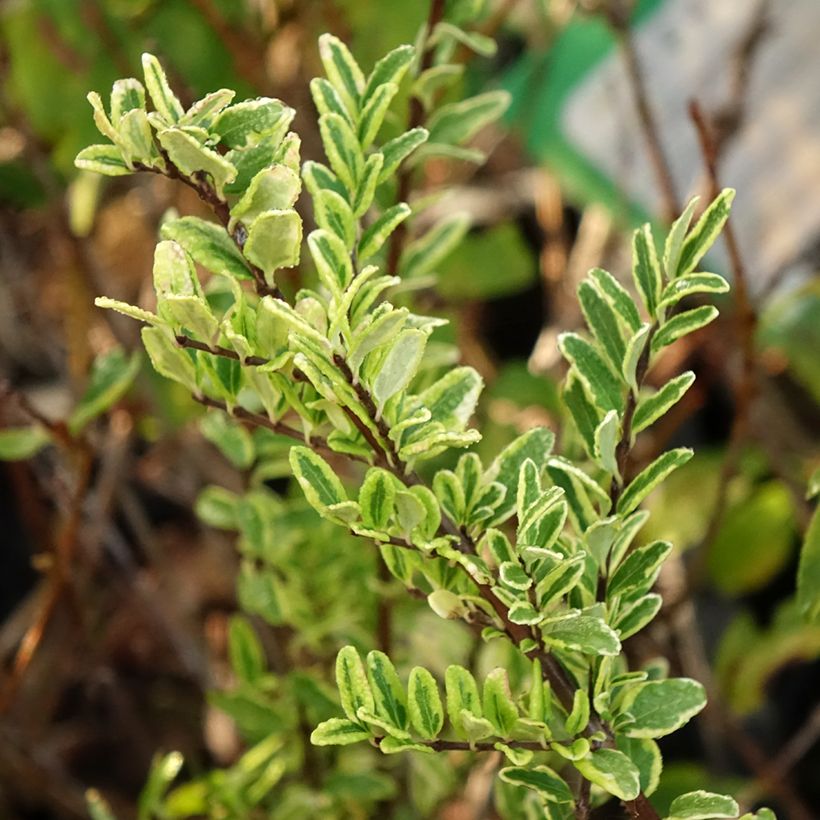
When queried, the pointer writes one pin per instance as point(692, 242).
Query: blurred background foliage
point(120, 634)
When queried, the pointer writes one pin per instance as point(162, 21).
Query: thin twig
point(646, 118)
point(745, 387)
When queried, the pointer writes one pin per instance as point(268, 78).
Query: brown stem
point(646, 118)
point(217, 350)
point(745, 387)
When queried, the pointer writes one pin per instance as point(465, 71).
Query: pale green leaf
point(245, 650)
point(399, 365)
point(650, 477)
point(377, 234)
point(332, 260)
point(646, 270)
point(102, 159)
point(682, 324)
point(192, 158)
point(168, 358)
point(541, 779)
point(613, 771)
point(462, 696)
point(705, 232)
point(455, 123)
point(604, 387)
point(808, 573)
point(333, 214)
point(273, 189)
point(319, 482)
point(338, 732)
point(20, 443)
point(582, 633)
point(342, 150)
point(373, 113)
point(675, 237)
point(165, 102)
point(423, 255)
point(274, 241)
point(658, 708)
point(351, 680)
point(377, 498)
point(603, 322)
point(424, 703)
point(685, 286)
point(398, 149)
point(342, 70)
point(607, 436)
point(619, 298)
point(639, 570)
point(249, 122)
point(208, 244)
point(652, 407)
point(388, 693)
point(497, 703)
point(702, 805)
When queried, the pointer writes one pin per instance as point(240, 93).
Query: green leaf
point(584, 414)
point(366, 189)
point(274, 241)
point(603, 386)
point(102, 159)
point(398, 149)
point(338, 732)
point(450, 494)
point(685, 286)
point(675, 237)
point(619, 298)
point(319, 482)
point(424, 703)
point(640, 569)
point(203, 112)
point(607, 435)
point(456, 123)
point(111, 376)
point(808, 573)
point(582, 633)
point(477, 42)
point(603, 322)
point(351, 679)
point(244, 650)
point(377, 498)
point(646, 756)
point(497, 702)
point(388, 693)
point(613, 771)
point(578, 718)
point(233, 440)
point(333, 214)
point(513, 575)
point(651, 476)
point(248, 122)
point(424, 254)
point(378, 233)
point(651, 408)
point(342, 149)
point(636, 616)
point(192, 158)
point(702, 805)
point(541, 779)
point(706, 230)
point(342, 70)
point(453, 398)
point(535, 445)
point(208, 244)
point(399, 366)
point(274, 188)
point(646, 270)
point(634, 350)
point(164, 769)
point(389, 69)
point(559, 580)
point(660, 707)
point(165, 102)
point(20, 443)
point(126, 95)
point(683, 324)
point(327, 99)
point(168, 358)
point(462, 696)
point(373, 113)
point(435, 80)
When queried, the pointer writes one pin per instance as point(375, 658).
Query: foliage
point(564, 585)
